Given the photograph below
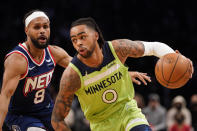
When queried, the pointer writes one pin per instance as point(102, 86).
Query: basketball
point(172, 70)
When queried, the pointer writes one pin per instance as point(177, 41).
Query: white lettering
point(37, 82)
point(41, 81)
point(30, 83)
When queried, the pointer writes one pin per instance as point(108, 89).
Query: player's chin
point(43, 45)
point(84, 55)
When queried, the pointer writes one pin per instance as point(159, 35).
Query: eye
point(45, 26)
point(74, 40)
point(37, 27)
point(83, 37)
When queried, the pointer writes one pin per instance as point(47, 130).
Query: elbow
point(53, 122)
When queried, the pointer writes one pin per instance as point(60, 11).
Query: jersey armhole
point(20, 53)
point(114, 53)
point(78, 72)
point(51, 55)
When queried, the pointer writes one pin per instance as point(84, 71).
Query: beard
point(89, 52)
point(38, 45)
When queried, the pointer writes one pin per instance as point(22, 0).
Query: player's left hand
point(143, 77)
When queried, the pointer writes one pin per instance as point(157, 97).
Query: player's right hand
point(143, 77)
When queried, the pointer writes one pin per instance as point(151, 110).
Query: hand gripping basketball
point(173, 70)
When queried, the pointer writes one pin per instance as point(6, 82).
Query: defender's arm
point(60, 55)
point(15, 66)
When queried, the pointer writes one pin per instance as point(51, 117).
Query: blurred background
point(173, 22)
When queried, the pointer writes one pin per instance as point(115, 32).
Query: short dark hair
point(90, 22)
point(29, 13)
point(154, 97)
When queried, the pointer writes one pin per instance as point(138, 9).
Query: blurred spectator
point(179, 124)
point(193, 109)
point(155, 113)
point(140, 100)
point(178, 105)
point(81, 123)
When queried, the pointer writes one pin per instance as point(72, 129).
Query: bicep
point(128, 48)
point(12, 74)
point(65, 60)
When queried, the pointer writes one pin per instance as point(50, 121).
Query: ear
point(26, 30)
point(96, 35)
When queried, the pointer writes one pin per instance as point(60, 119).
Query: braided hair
point(90, 22)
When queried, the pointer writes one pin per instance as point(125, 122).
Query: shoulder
point(60, 55)
point(146, 110)
point(162, 109)
point(55, 49)
point(115, 43)
point(70, 72)
point(16, 59)
point(70, 79)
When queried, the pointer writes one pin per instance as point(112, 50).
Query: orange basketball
point(172, 70)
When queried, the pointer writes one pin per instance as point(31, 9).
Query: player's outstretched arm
point(15, 66)
point(128, 48)
point(60, 55)
point(69, 84)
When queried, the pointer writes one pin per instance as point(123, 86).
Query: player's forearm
point(156, 49)
point(60, 111)
point(4, 102)
point(60, 125)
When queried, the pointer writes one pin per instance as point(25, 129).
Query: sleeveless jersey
point(32, 93)
point(106, 89)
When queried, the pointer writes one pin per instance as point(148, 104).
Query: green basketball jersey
point(104, 90)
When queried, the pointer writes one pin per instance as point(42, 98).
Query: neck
point(95, 59)
point(35, 52)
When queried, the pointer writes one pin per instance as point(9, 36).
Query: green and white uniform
point(106, 94)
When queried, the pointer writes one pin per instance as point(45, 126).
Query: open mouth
point(81, 50)
point(42, 39)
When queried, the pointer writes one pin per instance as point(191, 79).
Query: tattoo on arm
point(127, 48)
point(68, 86)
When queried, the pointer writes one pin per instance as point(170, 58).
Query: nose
point(42, 30)
point(79, 42)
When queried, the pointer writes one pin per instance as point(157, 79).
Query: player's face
point(84, 40)
point(38, 31)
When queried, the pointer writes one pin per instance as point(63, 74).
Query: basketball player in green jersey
point(100, 80)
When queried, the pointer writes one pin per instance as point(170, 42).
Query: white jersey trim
point(129, 125)
point(23, 46)
point(100, 76)
point(35, 129)
point(51, 56)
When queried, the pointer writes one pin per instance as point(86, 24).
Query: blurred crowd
point(180, 116)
